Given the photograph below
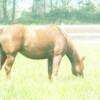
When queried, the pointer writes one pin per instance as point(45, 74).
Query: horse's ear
point(83, 58)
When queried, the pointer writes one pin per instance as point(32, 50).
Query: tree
point(63, 3)
point(39, 7)
point(33, 4)
point(5, 16)
point(51, 4)
point(1, 2)
point(44, 6)
point(13, 9)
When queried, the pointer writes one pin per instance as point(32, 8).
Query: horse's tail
point(2, 57)
point(2, 53)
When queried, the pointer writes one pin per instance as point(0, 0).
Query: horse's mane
point(71, 48)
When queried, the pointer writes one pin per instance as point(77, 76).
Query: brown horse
point(46, 42)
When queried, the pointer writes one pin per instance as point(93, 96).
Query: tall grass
point(29, 79)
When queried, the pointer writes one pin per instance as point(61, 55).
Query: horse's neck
point(72, 53)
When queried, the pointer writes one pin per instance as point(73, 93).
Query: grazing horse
point(45, 42)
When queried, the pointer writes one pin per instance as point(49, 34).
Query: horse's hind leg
point(10, 60)
point(50, 62)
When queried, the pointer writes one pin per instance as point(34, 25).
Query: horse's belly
point(37, 53)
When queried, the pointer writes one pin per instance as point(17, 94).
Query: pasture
point(29, 79)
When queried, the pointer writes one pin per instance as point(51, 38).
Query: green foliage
point(87, 14)
point(84, 15)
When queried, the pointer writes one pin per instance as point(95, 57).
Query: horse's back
point(38, 42)
point(32, 40)
point(42, 41)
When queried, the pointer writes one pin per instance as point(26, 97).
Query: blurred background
point(50, 11)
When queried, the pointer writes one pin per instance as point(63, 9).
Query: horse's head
point(78, 68)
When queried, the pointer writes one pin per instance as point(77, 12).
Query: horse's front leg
point(56, 63)
point(10, 60)
point(50, 63)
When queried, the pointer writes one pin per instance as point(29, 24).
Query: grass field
point(29, 79)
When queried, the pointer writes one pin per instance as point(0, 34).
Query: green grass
point(29, 79)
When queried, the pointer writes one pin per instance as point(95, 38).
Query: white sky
point(24, 4)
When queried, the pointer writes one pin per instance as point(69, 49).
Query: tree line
point(51, 11)
point(4, 13)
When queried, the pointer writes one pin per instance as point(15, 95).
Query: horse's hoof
point(54, 78)
point(8, 78)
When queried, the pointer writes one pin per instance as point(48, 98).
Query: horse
point(35, 42)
